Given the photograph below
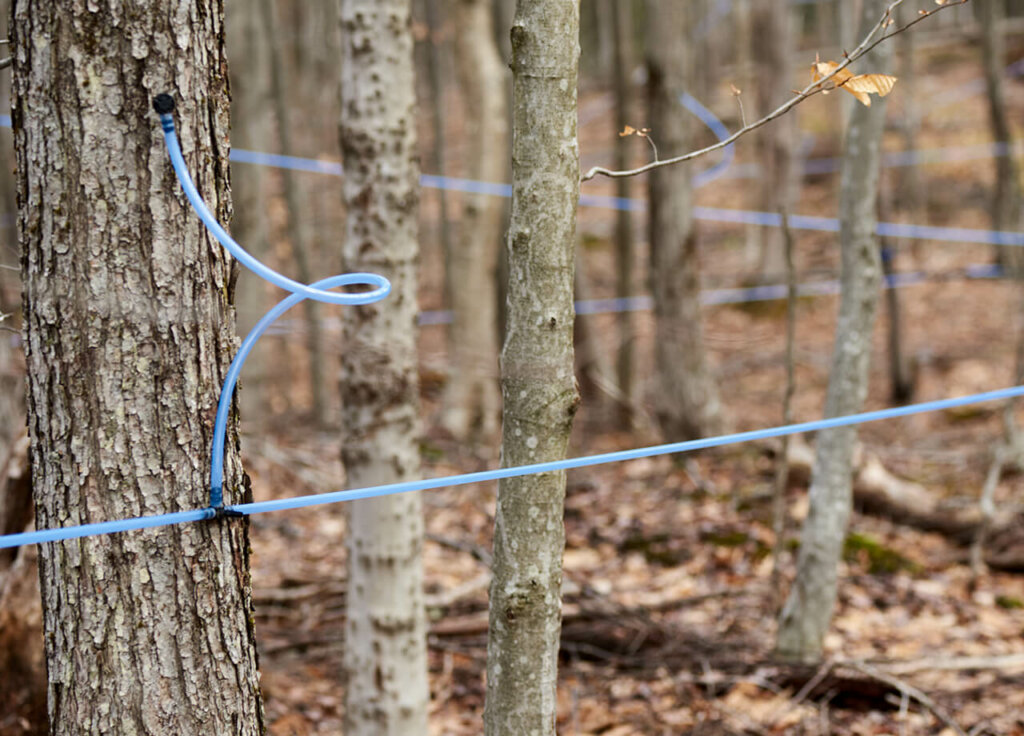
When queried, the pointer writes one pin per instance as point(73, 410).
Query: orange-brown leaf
point(860, 85)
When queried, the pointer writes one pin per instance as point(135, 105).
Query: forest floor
point(670, 608)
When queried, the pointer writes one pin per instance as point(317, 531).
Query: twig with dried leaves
point(817, 85)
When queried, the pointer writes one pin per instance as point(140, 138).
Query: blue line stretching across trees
point(318, 291)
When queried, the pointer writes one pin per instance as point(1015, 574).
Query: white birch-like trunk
point(688, 402)
point(539, 390)
point(472, 399)
point(129, 330)
point(385, 653)
point(808, 610)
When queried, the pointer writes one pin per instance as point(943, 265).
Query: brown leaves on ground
point(860, 86)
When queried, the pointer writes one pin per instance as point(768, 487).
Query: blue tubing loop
point(381, 287)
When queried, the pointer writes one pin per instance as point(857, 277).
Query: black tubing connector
point(163, 104)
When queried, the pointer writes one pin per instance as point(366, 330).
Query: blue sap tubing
point(381, 288)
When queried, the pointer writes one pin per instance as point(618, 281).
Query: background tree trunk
point(1006, 204)
point(386, 648)
point(129, 329)
point(773, 47)
point(808, 610)
point(472, 399)
point(539, 390)
point(296, 225)
point(248, 62)
point(622, 68)
point(689, 405)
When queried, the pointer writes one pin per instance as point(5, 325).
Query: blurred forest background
point(669, 587)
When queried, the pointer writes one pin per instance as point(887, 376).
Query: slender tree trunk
point(246, 49)
point(472, 398)
point(129, 331)
point(808, 610)
point(1007, 212)
point(385, 653)
point(688, 398)
point(299, 243)
point(439, 123)
point(622, 36)
point(1006, 204)
point(772, 50)
point(539, 390)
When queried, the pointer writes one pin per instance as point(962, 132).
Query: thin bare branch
point(869, 42)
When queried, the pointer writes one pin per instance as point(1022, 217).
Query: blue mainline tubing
point(247, 509)
point(104, 527)
point(164, 106)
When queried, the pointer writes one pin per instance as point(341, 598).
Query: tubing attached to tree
point(381, 287)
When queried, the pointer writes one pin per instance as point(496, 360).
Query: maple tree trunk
point(539, 390)
point(472, 398)
point(808, 610)
point(386, 648)
point(688, 404)
point(129, 332)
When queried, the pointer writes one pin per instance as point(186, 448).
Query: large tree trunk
point(129, 331)
point(472, 398)
point(386, 648)
point(808, 610)
point(688, 404)
point(539, 390)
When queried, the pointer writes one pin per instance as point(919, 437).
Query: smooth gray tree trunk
point(386, 645)
point(808, 610)
point(539, 390)
point(472, 399)
point(688, 403)
point(129, 330)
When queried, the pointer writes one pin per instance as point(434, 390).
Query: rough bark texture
point(808, 610)
point(385, 654)
point(129, 330)
point(539, 390)
point(472, 399)
point(688, 405)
